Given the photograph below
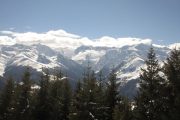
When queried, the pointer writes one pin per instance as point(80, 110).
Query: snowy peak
point(43, 49)
point(64, 41)
point(175, 45)
point(72, 53)
point(36, 56)
point(126, 60)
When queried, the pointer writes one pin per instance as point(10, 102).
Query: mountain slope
point(15, 57)
point(72, 53)
point(126, 61)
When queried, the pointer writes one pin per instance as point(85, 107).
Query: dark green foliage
point(76, 111)
point(43, 105)
point(101, 106)
point(149, 100)
point(172, 71)
point(88, 101)
point(56, 96)
point(22, 98)
point(6, 98)
point(111, 94)
point(122, 110)
point(66, 99)
point(96, 98)
point(55, 99)
point(85, 99)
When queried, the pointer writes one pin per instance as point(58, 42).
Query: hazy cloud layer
point(62, 39)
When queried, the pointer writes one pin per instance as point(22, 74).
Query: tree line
point(95, 98)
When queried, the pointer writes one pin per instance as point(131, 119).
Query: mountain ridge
point(72, 54)
point(126, 61)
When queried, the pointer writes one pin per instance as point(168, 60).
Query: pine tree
point(149, 100)
point(58, 75)
point(43, 105)
point(94, 93)
point(56, 99)
point(23, 98)
point(172, 71)
point(56, 96)
point(66, 99)
point(111, 94)
point(60, 97)
point(85, 103)
point(101, 109)
point(122, 110)
point(6, 99)
point(76, 109)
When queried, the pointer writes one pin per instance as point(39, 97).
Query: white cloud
point(60, 39)
point(7, 32)
point(5, 40)
point(119, 42)
point(62, 33)
point(159, 46)
point(175, 45)
point(91, 54)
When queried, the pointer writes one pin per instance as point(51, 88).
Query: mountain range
point(72, 54)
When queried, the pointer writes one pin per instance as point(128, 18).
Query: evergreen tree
point(101, 109)
point(56, 96)
point(56, 99)
point(172, 71)
point(85, 103)
point(93, 92)
point(122, 110)
point(60, 97)
point(111, 94)
point(76, 110)
point(43, 107)
point(6, 99)
point(58, 75)
point(66, 99)
point(149, 100)
point(23, 98)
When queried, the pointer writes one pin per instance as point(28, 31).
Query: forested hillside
point(95, 97)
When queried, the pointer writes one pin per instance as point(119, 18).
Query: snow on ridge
point(175, 45)
point(5, 40)
point(89, 54)
point(158, 46)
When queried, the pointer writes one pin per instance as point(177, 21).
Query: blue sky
point(158, 20)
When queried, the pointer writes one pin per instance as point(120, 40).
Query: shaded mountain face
point(126, 60)
point(15, 58)
point(2, 82)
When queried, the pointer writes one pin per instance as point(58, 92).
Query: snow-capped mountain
point(72, 53)
point(126, 58)
point(14, 58)
point(127, 61)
